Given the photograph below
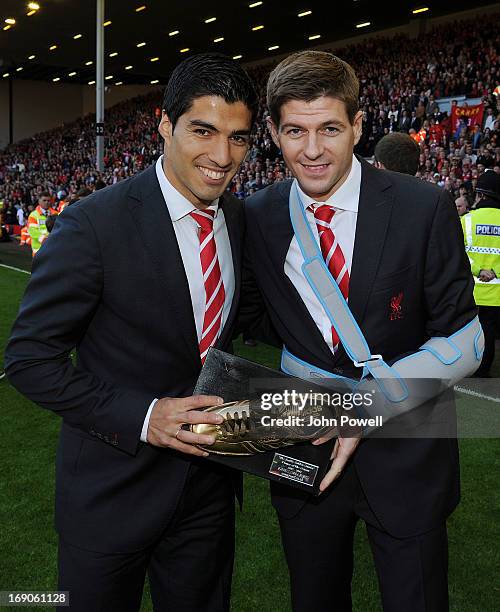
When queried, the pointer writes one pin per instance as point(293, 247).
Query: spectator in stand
point(393, 114)
point(477, 137)
point(239, 193)
point(432, 106)
point(405, 122)
point(10, 216)
point(20, 215)
point(460, 59)
point(485, 157)
point(415, 122)
point(99, 184)
point(489, 122)
point(4, 235)
point(461, 129)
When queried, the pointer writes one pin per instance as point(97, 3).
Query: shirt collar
point(178, 205)
point(346, 197)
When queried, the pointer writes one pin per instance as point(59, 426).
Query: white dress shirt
point(187, 233)
point(345, 202)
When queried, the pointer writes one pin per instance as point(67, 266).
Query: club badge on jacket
point(396, 308)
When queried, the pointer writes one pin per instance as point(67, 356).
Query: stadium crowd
point(400, 81)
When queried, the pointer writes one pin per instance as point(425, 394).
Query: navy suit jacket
point(110, 281)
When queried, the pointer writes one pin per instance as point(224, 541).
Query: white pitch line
point(15, 269)
point(476, 394)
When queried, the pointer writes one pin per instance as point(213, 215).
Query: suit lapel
point(152, 219)
point(279, 226)
point(234, 220)
point(374, 213)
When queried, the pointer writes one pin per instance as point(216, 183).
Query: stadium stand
point(401, 89)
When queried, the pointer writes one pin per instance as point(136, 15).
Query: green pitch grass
point(28, 542)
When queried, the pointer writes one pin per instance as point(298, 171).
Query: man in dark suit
point(405, 122)
point(415, 122)
point(392, 244)
point(143, 277)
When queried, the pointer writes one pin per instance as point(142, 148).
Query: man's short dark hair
point(207, 74)
point(44, 194)
point(398, 152)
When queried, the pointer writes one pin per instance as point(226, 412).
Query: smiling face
point(317, 141)
point(206, 147)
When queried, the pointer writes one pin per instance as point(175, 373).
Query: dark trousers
point(318, 543)
point(489, 317)
point(189, 567)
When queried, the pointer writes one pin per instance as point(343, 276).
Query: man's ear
point(165, 128)
point(274, 131)
point(357, 126)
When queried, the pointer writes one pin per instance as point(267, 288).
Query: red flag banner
point(473, 115)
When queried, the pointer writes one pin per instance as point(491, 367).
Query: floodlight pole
point(99, 86)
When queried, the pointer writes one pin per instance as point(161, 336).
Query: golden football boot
point(242, 433)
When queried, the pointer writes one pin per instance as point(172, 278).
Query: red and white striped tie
point(332, 253)
point(212, 277)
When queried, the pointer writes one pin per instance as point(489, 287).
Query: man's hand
point(343, 449)
point(171, 413)
point(486, 276)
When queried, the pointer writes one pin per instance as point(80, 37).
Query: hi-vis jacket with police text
point(482, 244)
point(36, 226)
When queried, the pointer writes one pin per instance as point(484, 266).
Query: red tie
point(212, 277)
point(332, 253)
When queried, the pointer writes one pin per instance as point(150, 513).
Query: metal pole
point(11, 111)
point(99, 86)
